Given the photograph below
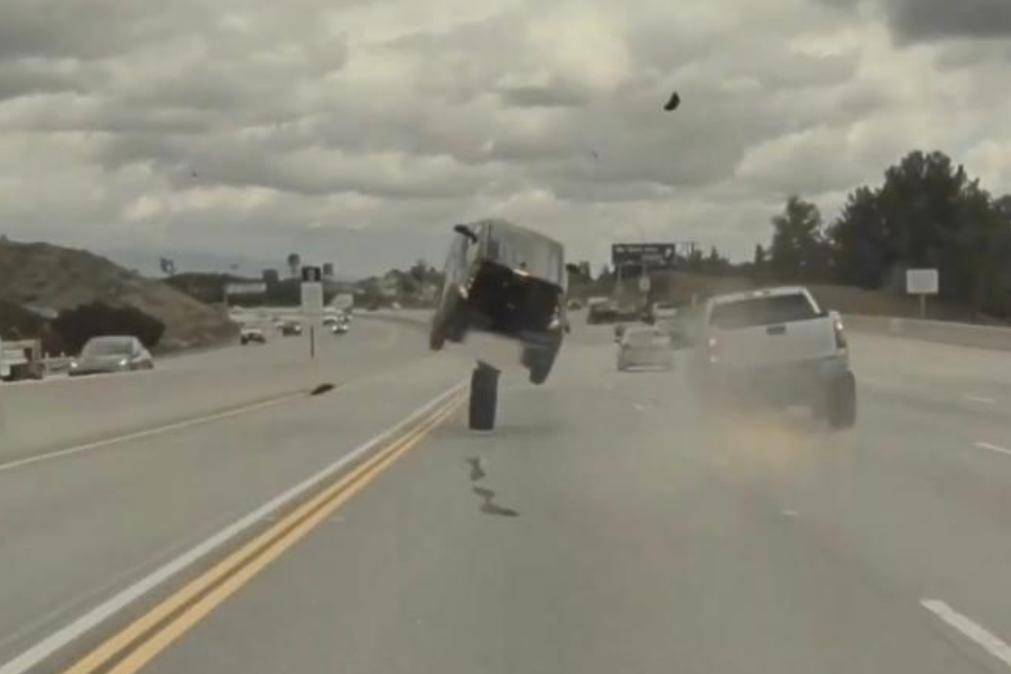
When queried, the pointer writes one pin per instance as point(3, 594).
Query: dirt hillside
point(50, 276)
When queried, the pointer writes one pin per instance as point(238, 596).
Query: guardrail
point(959, 334)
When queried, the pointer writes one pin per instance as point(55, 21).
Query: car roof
point(779, 291)
point(506, 228)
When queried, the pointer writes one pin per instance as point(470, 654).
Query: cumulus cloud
point(915, 20)
point(361, 130)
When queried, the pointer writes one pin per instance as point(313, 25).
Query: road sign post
point(922, 282)
point(312, 302)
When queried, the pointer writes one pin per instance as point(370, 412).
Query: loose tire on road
point(841, 402)
point(483, 398)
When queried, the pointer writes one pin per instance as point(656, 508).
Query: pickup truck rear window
point(762, 311)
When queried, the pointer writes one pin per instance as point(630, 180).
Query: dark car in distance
point(508, 281)
point(291, 329)
point(111, 353)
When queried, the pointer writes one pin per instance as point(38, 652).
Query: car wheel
point(841, 402)
point(437, 335)
point(540, 365)
point(483, 397)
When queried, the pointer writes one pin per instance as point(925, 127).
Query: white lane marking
point(977, 633)
point(790, 513)
point(99, 614)
point(158, 430)
point(979, 399)
point(994, 448)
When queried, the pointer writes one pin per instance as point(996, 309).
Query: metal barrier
point(959, 334)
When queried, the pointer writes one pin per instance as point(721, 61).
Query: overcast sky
point(360, 131)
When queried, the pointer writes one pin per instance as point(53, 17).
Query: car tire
point(540, 365)
point(483, 398)
point(841, 402)
point(437, 335)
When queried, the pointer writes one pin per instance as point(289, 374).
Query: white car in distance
point(644, 347)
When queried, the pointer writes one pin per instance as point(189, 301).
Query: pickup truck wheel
point(841, 402)
point(483, 397)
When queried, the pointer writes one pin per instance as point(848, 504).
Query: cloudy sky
point(360, 130)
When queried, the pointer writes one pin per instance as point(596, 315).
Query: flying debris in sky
point(673, 103)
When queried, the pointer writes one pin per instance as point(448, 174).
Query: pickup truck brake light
point(713, 350)
point(840, 334)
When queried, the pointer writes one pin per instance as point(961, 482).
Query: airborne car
point(509, 282)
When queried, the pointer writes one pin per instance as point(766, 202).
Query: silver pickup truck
point(778, 345)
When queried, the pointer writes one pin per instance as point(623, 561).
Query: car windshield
point(760, 311)
point(517, 248)
point(110, 346)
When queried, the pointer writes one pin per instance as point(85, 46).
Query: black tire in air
point(483, 397)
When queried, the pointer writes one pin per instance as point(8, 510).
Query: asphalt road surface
point(610, 524)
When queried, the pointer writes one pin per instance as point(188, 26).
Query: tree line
point(927, 213)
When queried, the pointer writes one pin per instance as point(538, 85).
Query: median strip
point(101, 613)
point(148, 636)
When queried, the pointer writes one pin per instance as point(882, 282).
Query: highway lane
point(37, 417)
point(80, 527)
point(611, 523)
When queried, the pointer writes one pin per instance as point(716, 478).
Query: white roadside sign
point(252, 288)
point(312, 298)
point(922, 282)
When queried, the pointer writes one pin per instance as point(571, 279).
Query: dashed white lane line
point(991, 643)
point(994, 448)
point(980, 399)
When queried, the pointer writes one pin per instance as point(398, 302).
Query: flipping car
point(508, 282)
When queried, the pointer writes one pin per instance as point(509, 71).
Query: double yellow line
point(138, 643)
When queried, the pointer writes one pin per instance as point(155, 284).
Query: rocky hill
point(52, 277)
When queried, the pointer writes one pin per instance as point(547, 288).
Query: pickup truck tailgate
point(767, 329)
point(775, 344)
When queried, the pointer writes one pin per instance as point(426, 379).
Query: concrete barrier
point(415, 318)
point(959, 334)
